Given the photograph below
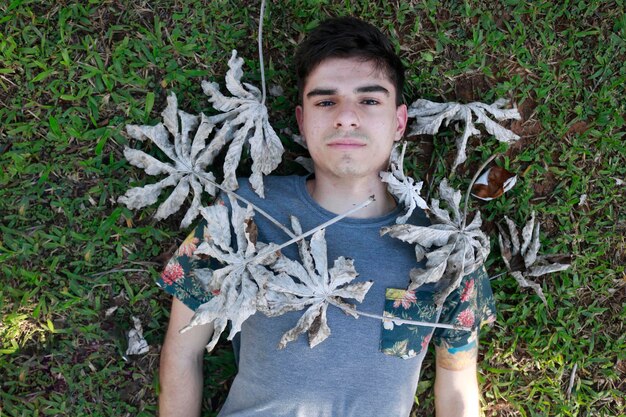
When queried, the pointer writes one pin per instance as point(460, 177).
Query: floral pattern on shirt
point(471, 305)
point(406, 299)
point(177, 278)
point(172, 272)
point(405, 340)
point(189, 245)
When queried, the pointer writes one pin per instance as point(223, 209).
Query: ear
point(401, 120)
point(299, 118)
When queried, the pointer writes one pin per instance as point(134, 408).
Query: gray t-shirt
point(349, 374)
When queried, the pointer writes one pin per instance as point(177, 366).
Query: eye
point(325, 103)
point(370, 102)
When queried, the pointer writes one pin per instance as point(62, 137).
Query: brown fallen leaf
point(493, 183)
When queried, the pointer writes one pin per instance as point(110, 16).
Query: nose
point(346, 117)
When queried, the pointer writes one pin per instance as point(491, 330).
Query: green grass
point(73, 74)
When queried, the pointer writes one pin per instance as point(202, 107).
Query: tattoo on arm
point(457, 358)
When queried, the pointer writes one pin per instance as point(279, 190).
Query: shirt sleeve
point(178, 278)
point(471, 305)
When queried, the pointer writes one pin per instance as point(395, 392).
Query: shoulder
point(275, 187)
point(268, 181)
point(419, 218)
point(283, 196)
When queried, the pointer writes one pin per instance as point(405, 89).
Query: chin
point(353, 173)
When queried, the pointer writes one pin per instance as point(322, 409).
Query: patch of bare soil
point(471, 87)
point(577, 128)
point(501, 408)
point(545, 187)
point(527, 127)
point(550, 225)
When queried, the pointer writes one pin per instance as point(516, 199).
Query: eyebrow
point(372, 89)
point(321, 92)
point(375, 88)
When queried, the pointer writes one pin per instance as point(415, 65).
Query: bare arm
point(180, 370)
point(456, 384)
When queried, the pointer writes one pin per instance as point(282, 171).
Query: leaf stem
point(497, 276)
point(401, 321)
point(114, 271)
point(469, 189)
point(246, 201)
point(260, 41)
point(572, 378)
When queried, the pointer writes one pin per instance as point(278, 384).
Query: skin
point(349, 120)
point(456, 384)
point(180, 367)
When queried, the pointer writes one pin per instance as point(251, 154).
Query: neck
point(341, 195)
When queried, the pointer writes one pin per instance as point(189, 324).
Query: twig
point(260, 41)
point(497, 276)
point(113, 271)
point(245, 201)
point(401, 159)
point(469, 189)
point(144, 263)
point(401, 321)
point(7, 80)
point(572, 377)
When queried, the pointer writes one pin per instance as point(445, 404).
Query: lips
point(347, 142)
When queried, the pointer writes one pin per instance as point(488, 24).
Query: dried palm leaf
point(404, 188)
point(522, 260)
point(186, 169)
point(452, 248)
point(238, 283)
point(316, 288)
point(430, 115)
point(244, 120)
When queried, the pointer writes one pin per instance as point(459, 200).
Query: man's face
point(349, 118)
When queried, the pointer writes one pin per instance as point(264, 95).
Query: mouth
point(346, 143)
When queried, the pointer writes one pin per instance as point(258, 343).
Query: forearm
point(457, 401)
point(456, 382)
point(180, 371)
point(181, 385)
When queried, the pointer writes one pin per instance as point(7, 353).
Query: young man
point(350, 116)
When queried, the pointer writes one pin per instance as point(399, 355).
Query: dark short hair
point(348, 37)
